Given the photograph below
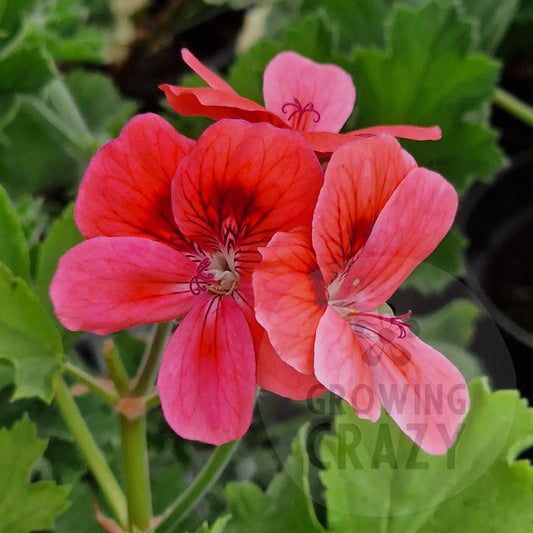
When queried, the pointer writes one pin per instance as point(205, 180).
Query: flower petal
point(207, 376)
point(107, 284)
point(206, 74)
point(359, 180)
point(414, 220)
point(126, 189)
point(242, 183)
point(290, 77)
point(324, 143)
point(290, 297)
point(272, 373)
point(422, 391)
point(217, 104)
point(341, 365)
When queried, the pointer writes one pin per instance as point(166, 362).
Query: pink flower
point(320, 294)
point(316, 100)
point(173, 229)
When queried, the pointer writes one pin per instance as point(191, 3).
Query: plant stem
point(513, 105)
point(91, 383)
point(115, 367)
point(146, 376)
point(205, 479)
point(92, 454)
point(135, 471)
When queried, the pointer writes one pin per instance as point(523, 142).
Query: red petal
point(126, 189)
point(328, 88)
point(242, 183)
point(422, 391)
point(342, 367)
point(415, 133)
point(107, 284)
point(325, 143)
point(412, 223)
point(217, 104)
point(272, 373)
point(359, 180)
point(206, 74)
point(290, 297)
point(207, 376)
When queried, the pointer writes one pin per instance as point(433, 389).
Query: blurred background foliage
point(73, 72)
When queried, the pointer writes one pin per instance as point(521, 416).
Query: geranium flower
point(320, 294)
point(172, 229)
point(314, 99)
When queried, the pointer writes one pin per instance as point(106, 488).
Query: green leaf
point(358, 22)
point(376, 479)
point(218, 527)
point(13, 248)
point(63, 236)
point(450, 330)
point(26, 506)
point(427, 76)
point(492, 18)
point(61, 128)
point(79, 517)
point(286, 505)
point(28, 338)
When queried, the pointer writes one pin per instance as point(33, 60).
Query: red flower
point(316, 100)
point(320, 295)
point(173, 229)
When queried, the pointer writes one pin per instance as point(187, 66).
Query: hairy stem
point(135, 471)
point(146, 376)
point(92, 454)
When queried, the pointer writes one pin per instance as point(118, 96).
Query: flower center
point(213, 275)
point(296, 113)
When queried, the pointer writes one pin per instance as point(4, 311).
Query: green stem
point(146, 376)
point(135, 471)
point(94, 457)
point(513, 105)
point(115, 368)
point(91, 383)
point(205, 479)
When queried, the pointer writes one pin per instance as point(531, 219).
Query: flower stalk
point(91, 452)
point(196, 490)
point(513, 105)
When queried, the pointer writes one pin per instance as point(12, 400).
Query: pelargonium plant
point(276, 267)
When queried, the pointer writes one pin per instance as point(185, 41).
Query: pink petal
point(414, 220)
point(206, 74)
point(126, 189)
point(341, 365)
point(107, 284)
point(328, 88)
point(242, 183)
point(272, 373)
point(207, 376)
point(217, 104)
point(360, 178)
point(290, 297)
point(325, 143)
point(422, 391)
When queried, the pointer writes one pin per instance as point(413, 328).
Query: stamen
point(198, 282)
point(204, 281)
point(299, 111)
point(394, 320)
